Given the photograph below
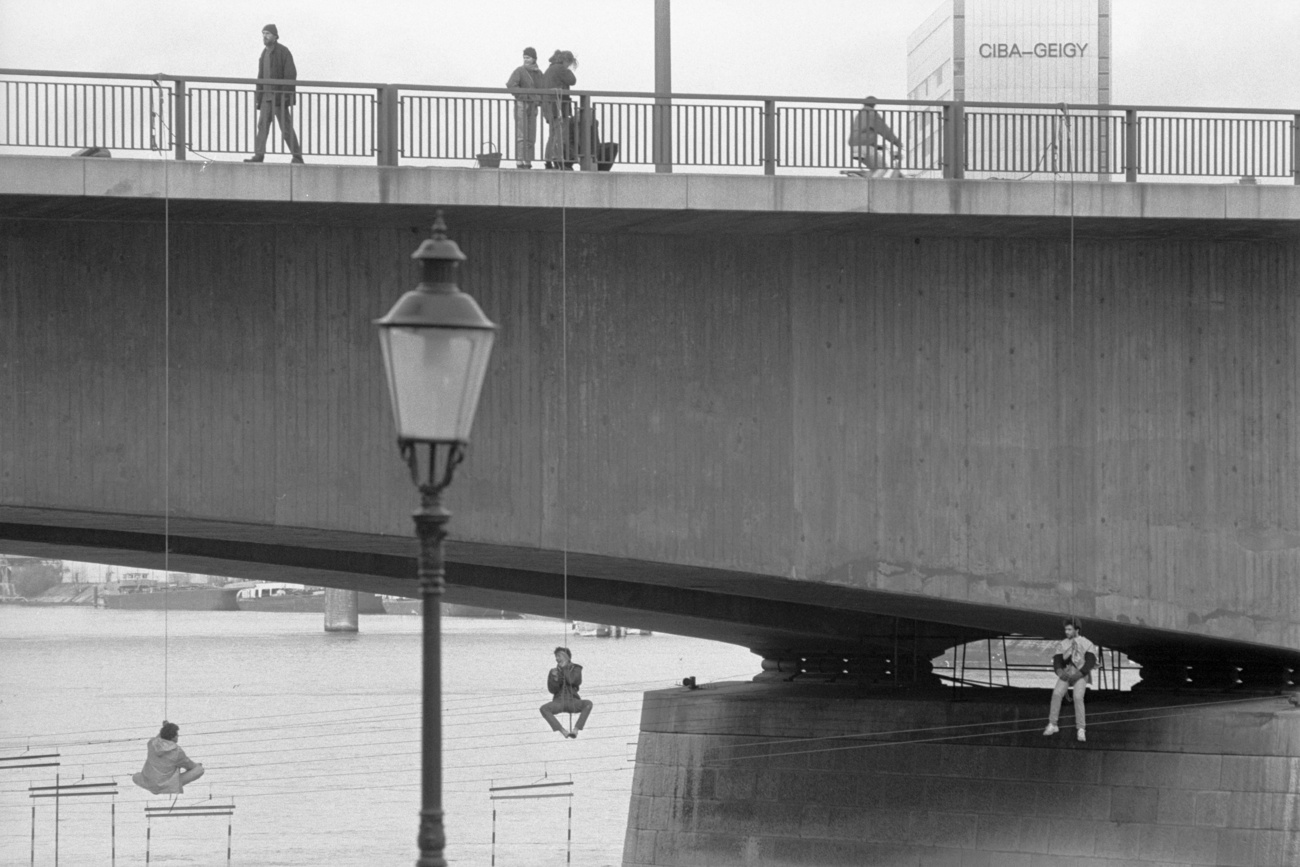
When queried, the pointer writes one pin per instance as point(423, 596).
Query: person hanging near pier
point(1074, 660)
point(275, 100)
point(563, 682)
point(865, 141)
point(167, 770)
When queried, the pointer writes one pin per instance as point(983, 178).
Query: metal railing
point(391, 123)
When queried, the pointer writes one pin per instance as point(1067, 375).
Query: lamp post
point(436, 342)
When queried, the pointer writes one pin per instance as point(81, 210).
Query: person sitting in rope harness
point(1074, 660)
point(167, 770)
point(563, 682)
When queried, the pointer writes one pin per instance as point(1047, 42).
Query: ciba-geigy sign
point(1010, 50)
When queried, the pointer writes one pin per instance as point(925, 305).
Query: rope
point(564, 381)
point(167, 442)
point(1073, 470)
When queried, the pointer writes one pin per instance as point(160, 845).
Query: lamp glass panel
point(435, 376)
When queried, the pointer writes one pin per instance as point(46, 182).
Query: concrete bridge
point(846, 423)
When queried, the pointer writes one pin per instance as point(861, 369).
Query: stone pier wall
point(771, 774)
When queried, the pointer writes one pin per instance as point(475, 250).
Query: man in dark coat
point(557, 108)
point(866, 137)
point(275, 99)
point(563, 682)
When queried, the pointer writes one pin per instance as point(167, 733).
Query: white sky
point(1167, 52)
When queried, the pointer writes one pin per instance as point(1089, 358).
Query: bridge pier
point(786, 774)
point(341, 610)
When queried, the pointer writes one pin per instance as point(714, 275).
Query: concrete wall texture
point(949, 417)
point(787, 775)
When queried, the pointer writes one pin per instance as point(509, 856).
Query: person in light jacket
point(563, 682)
point(1074, 660)
point(528, 76)
point(274, 100)
point(167, 770)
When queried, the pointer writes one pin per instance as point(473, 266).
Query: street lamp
point(436, 343)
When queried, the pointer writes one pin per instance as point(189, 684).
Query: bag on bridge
point(606, 155)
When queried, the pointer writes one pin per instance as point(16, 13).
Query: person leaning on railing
point(275, 99)
point(869, 130)
point(557, 108)
point(528, 76)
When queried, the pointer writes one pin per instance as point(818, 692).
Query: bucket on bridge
point(491, 159)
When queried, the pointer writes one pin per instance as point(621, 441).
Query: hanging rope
point(564, 386)
point(1073, 360)
point(167, 318)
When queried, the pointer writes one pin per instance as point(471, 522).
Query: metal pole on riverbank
point(436, 343)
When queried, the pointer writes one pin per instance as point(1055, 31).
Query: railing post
point(1131, 146)
point(769, 136)
point(585, 148)
point(1295, 148)
point(954, 141)
point(387, 143)
point(180, 113)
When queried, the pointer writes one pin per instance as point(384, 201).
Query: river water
point(315, 737)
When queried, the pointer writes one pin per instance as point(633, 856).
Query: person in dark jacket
point(527, 76)
point(868, 138)
point(1074, 660)
point(275, 99)
point(167, 770)
point(563, 682)
point(557, 109)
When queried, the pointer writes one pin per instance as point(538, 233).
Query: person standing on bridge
point(557, 109)
point(528, 76)
point(1074, 660)
point(869, 130)
point(275, 99)
point(167, 770)
point(563, 682)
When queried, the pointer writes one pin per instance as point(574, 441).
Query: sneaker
point(573, 734)
point(297, 161)
point(253, 160)
point(1082, 737)
point(523, 165)
point(1050, 730)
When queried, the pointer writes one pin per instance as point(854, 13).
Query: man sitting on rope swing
point(563, 682)
point(167, 770)
point(1074, 660)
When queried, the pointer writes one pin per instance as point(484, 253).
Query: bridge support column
point(773, 773)
point(340, 610)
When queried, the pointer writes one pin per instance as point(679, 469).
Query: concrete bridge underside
point(799, 414)
point(866, 420)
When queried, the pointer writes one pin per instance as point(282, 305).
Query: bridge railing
point(214, 117)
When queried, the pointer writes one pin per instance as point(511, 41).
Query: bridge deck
point(79, 188)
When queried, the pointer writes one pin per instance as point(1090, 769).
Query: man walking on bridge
point(275, 99)
point(1074, 660)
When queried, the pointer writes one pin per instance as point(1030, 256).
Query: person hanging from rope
point(563, 682)
point(1074, 660)
point(167, 770)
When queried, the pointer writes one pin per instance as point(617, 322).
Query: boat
point(403, 605)
point(281, 596)
point(153, 596)
point(604, 630)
